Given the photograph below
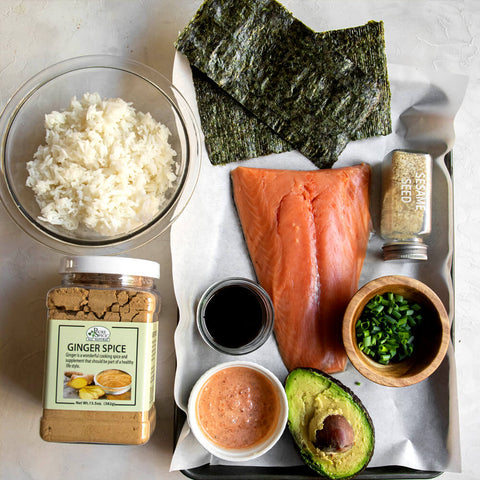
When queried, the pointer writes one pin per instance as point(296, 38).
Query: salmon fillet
point(307, 234)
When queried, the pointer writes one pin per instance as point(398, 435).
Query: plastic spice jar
point(406, 204)
point(101, 353)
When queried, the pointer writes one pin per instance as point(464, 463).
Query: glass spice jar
point(406, 204)
point(101, 353)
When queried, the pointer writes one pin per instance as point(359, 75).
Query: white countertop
point(443, 34)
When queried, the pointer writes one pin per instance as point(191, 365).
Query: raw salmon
point(307, 234)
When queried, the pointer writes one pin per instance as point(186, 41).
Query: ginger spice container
point(101, 352)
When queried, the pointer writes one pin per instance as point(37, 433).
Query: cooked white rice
point(104, 166)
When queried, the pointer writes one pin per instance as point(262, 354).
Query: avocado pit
point(336, 436)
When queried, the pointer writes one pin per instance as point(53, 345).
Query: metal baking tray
point(301, 472)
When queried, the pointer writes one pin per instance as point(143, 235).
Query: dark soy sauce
point(234, 316)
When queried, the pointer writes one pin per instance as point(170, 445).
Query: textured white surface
point(33, 34)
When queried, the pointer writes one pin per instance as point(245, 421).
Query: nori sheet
point(313, 97)
point(365, 46)
point(231, 132)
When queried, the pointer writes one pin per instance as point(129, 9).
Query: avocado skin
point(309, 457)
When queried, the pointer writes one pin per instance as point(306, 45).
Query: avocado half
point(316, 402)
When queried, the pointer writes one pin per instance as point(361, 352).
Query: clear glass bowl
point(22, 131)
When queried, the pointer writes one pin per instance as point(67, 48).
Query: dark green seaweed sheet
point(365, 46)
point(231, 132)
point(313, 97)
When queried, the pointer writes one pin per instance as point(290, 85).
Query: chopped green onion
point(386, 327)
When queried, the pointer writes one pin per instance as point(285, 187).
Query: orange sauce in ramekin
point(238, 408)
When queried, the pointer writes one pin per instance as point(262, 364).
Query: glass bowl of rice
point(100, 154)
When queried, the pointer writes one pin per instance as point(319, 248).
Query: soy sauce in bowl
point(235, 316)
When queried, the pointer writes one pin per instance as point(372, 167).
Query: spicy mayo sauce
point(238, 407)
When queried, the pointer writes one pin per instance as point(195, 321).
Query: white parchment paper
point(416, 426)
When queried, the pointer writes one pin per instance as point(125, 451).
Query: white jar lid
point(110, 265)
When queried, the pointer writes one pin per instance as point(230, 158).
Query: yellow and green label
point(104, 366)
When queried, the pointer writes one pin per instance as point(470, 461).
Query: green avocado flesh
point(312, 397)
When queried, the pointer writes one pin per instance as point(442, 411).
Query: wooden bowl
point(431, 340)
